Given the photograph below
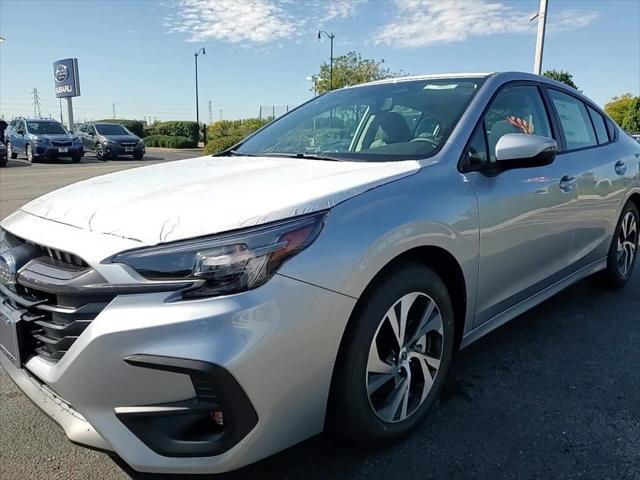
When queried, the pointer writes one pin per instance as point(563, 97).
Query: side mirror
point(522, 150)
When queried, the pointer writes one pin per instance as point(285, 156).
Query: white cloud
point(419, 23)
point(256, 21)
point(340, 8)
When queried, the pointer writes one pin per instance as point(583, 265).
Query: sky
point(138, 55)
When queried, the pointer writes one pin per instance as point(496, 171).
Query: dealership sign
point(65, 75)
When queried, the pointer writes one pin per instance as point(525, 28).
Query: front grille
point(54, 310)
point(54, 253)
point(128, 144)
point(61, 143)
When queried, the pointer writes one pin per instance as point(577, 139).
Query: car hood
point(54, 136)
point(121, 138)
point(207, 195)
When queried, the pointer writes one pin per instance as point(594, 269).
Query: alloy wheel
point(627, 243)
point(9, 150)
point(404, 357)
point(29, 154)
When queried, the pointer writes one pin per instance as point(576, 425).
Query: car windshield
point(44, 128)
point(384, 122)
point(108, 129)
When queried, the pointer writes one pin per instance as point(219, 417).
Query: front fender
point(435, 207)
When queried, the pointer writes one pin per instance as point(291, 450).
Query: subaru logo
point(8, 271)
point(61, 73)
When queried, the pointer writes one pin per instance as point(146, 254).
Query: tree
point(618, 106)
point(631, 122)
point(561, 76)
point(350, 69)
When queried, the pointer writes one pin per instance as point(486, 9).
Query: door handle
point(621, 167)
point(567, 183)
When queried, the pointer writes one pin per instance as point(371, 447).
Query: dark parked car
point(39, 138)
point(110, 140)
point(3, 149)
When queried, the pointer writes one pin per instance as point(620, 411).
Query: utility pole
point(220, 114)
point(113, 108)
point(61, 120)
point(37, 111)
point(210, 113)
point(542, 24)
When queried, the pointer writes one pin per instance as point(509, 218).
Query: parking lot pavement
point(553, 394)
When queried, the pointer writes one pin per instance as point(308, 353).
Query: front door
point(526, 226)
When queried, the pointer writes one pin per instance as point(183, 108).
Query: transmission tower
point(37, 111)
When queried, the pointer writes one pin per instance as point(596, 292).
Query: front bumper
point(278, 343)
point(55, 152)
point(119, 150)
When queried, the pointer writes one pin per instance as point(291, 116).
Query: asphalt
point(553, 394)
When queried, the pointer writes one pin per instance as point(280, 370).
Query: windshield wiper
point(309, 156)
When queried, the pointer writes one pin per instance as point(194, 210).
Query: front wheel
point(76, 157)
point(30, 155)
point(99, 153)
point(394, 358)
point(138, 156)
point(623, 251)
point(10, 153)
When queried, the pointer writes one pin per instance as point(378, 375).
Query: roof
point(435, 76)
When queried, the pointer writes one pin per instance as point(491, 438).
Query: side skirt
point(527, 304)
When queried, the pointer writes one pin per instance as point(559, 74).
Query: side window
point(599, 125)
point(516, 109)
point(477, 149)
point(574, 120)
point(611, 128)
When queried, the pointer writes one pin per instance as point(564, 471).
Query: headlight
point(39, 140)
point(228, 263)
point(76, 140)
point(106, 141)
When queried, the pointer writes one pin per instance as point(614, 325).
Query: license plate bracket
point(10, 338)
point(128, 149)
point(63, 149)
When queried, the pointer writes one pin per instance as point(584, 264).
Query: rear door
point(604, 174)
point(526, 226)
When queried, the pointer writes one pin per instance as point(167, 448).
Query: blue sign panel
point(65, 74)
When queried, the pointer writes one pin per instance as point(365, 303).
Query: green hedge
point(176, 129)
point(167, 141)
point(134, 126)
point(226, 133)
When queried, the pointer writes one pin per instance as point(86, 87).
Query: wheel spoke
point(378, 381)
point(433, 362)
point(428, 379)
point(388, 412)
point(375, 363)
point(405, 397)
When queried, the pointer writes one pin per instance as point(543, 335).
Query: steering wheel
point(433, 143)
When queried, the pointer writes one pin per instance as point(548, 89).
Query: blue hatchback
point(41, 138)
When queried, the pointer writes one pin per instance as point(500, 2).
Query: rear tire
point(373, 370)
point(623, 251)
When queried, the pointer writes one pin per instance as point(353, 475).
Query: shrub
point(134, 126)
point(167, 141)
point(176, 129)
point(226, 133)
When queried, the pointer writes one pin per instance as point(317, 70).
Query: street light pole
point(195, 56)
point(542, 24)
point(330, 36)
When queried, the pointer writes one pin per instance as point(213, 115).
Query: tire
point(623, 252)
point(370, 417)
point(138, 156)
point(99, 154)
point(10, 153)
point(30, 156)
point(3, 162)
point(76, 158)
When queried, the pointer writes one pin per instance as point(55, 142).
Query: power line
point(35, 98)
